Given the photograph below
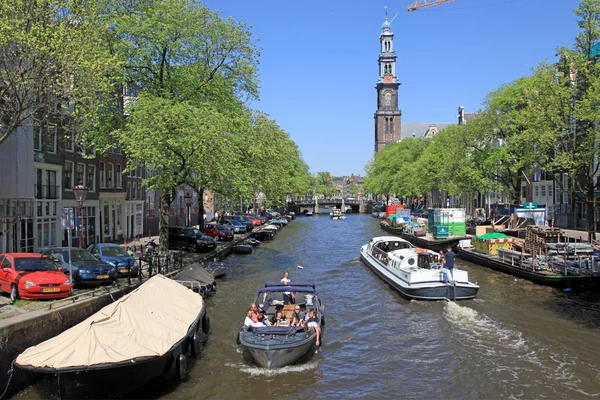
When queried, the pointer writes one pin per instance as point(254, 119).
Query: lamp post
point(80, 193)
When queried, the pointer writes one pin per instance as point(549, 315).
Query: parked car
point(32, 276)
point(115, 255)
point(243, 220)
point(86, 268)
point(190, 239)
point(255, 219)
point(220, 232)
point(236, 225)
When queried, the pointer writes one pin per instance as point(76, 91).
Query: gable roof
point(422, 129)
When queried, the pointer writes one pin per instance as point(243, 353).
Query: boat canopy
point(142, 325)
point(294, 283)
point(195, 272)
point(280, 289)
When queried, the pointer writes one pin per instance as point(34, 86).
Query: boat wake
point(512, 354)
point(256, 371)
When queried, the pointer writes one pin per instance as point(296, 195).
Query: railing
point(46, 191)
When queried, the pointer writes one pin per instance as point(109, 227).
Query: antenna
point(394, 18)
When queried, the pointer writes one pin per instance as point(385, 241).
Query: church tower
point(388, 115)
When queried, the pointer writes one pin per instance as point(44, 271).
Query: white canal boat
point(415, 273)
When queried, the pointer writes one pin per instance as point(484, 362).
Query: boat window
point(411, 261)
point(423, 261)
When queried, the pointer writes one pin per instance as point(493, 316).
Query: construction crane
point(419, 4)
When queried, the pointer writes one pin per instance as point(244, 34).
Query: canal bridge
point(325, 205)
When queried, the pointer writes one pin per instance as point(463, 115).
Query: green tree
point(50, 60)
point(183, 59)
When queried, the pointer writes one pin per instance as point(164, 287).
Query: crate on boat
point(490, 243)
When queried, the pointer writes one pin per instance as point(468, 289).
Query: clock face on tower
point(387, 78)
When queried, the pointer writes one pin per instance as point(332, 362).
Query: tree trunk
point(201, 211)
point(165, 205)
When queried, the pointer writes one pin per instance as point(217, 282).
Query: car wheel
point(193, 248)
point(14, 294)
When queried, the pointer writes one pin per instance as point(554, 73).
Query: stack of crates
point(538, 236)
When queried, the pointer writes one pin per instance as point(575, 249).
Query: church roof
point(422, 129)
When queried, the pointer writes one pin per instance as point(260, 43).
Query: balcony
point(46, 191)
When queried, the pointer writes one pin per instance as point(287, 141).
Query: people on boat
point(298, 316)
point(248, 322)
point(254, 312)
point(288, 297)
point(449, 263)
point(261, 310)
point(313, 324)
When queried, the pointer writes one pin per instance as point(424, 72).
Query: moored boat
point(549, 264)
point(281, 345)
point(242, 248)
point(142, 336)
point(198, 279)
point(416, 273)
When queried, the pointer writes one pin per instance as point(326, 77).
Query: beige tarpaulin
point(145, 323)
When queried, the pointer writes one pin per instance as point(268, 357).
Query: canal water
point(515, 340)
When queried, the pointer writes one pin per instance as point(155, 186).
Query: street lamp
point(80, 193)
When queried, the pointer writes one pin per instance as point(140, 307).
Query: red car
point(220, 232)
point(253, 219)
point(32, 276)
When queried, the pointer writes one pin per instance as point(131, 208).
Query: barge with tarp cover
point(142, 336)
point(541, 258)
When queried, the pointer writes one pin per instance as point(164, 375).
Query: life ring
point(182, 367)
point(205, 324)
point(420, 250)
point(196, 345)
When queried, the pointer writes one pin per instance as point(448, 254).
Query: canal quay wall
point(33, 327)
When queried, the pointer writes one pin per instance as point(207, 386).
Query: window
point(37, 137)
point(102, 175)
point(68, 175)
point(38, 184)
point(537, 191)
point(51, 185)
point(128, 190)
point(69, 143)
point(523, 191)
point(543, 189)
point(91, 177)
point(119, 176)
point(111, 176)
point(549, 190)
point(80, 174)
point(139, 190)
point(51, 139)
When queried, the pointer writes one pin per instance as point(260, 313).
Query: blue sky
point(318, 64)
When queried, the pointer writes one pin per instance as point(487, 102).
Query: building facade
point(388, 116)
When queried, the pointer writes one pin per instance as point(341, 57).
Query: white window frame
point(84, 176)
point(92, 184)
point(119, 175)
point(111, 176)
point(102, 168)
point(70, 143)
point(53, 137)
point(72, 174)
point(37, 144)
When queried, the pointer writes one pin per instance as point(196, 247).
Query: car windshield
point(78, 255)
point(114, 251)
point(222, 228)
point(235, 222)
point(34, 264)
